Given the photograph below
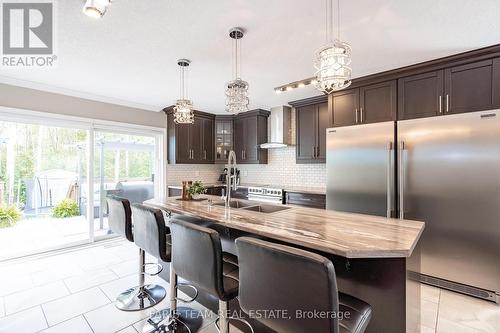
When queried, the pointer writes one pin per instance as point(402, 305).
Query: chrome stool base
point(140, 298)
point(185, 320)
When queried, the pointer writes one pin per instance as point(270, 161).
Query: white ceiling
point(129, 57)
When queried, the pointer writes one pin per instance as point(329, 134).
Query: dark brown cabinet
point(191, 143)
point(345, 107)
point(311, 123)
point(469, 87)
point(464, 88)
point(368, 104)
point(223, 138)
point(250, 131)
point(378, 102)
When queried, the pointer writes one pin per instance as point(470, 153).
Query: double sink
point(250, 206)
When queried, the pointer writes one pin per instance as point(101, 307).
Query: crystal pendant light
point(332, 61)
point(236, 90)
point(183, 110)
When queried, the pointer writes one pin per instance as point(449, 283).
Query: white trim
point(90, 183)
point(56, 119)
point(75, 93)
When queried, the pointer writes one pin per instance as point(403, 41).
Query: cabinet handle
point(204, 154)
point(317, 152)
point(440, 104)
point(356, 111)
point(361, 115)
point(447, 103)
point(314, 151)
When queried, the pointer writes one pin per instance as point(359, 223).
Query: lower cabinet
point(310, 200)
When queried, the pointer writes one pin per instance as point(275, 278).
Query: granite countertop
point(298, 189)
point(344, 234)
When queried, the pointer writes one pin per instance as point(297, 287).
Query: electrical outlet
point(245, 173)
point(197, 173)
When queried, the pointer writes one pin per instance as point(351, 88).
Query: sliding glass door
point(124, 165)
point(42, 170)
point(54, 179)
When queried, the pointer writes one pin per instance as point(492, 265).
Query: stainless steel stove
point(265, 194)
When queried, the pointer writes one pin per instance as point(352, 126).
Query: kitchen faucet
point(231, 180)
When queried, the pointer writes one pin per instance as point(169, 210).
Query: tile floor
point(73, 291)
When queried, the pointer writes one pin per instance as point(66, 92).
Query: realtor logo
point(28, 29)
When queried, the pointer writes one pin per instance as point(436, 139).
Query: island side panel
point(413, 292)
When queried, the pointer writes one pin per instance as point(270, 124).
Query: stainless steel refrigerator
point(442, 170)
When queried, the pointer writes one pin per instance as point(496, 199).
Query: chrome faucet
point(231, 178)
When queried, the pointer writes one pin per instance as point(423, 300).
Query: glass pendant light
point(183, 110)
point(332, 61)
point(236, 90)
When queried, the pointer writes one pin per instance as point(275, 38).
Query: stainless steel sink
point(266, 208)
point(235, 204)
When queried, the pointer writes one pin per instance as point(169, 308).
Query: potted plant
point(197, 189)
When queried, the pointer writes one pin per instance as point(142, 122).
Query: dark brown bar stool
point(197, 257)
point(282, 278)
point(142, 296)
point(153, 236)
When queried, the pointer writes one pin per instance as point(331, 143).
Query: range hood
point(279, 128)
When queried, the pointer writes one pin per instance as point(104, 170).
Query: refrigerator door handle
point(389, 179)
point(401, 163)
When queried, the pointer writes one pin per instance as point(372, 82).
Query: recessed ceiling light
point(95, 8)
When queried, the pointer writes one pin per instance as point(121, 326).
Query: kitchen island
point(375, 258)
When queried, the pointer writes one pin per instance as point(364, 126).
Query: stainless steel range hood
point(279, 128)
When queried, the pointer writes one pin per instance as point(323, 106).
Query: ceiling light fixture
point(96, 8)
point(332, 60)
point(236, 90)
point(183, 110)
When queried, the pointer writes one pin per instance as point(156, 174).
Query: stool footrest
point(189, 286)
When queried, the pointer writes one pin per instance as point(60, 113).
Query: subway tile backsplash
point(281, 170)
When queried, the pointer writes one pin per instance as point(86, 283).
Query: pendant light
point(332, 61)
point(183, 110)
point(96, 8)
point(236, 90)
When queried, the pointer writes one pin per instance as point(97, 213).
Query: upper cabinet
point(191, 143)
point(223, 137)
point(250, 131)
point(420, 95)
point(311, 123)
point(364, 105)
point(464, 88)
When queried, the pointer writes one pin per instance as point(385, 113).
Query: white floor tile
point(449, 326)
point(469, 312)
point(34, 296)
point(58, 272)
point(89, 279)
point(113, 288)
point(73, 305)
point(13, 283)
point(108, 318)
point(75, 325)
point(129, 329)
point(125, 268)
point(424, 329)
point(428, 313)
point(430, 293)
point(27, 321)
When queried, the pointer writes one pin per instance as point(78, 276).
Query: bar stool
point(153, 236)
point(282, 278)
point(143, 296)
point(197, 257)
